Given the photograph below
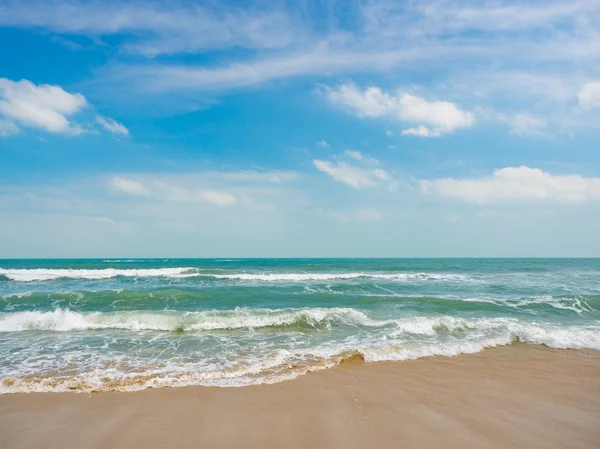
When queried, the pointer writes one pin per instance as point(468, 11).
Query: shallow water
point(128, 324)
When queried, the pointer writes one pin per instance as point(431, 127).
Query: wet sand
point(512, 397)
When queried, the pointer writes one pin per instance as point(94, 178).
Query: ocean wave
point(281, 365)
point(299, 277)
point(64, 320)
point(399, 329)
point(43, 274)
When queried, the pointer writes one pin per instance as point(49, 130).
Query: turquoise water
point(129, 324)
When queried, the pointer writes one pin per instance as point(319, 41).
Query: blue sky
point(299, 129)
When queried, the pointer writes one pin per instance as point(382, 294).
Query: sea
point(129, 324)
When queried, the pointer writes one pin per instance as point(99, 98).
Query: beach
point(517, 396)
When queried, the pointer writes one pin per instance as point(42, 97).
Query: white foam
point(62, 320)
point(299, 277)
point(271, 366)
point(386, 340)
point(42, 274)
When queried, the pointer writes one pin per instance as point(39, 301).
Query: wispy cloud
point(153, 28)
point(218, 198)
point(7, 127)
point(589, 95)
point(129, 186)
point(368, 215)
point(112, 126)
point(366, 174)
point(354, 154)
point(220, 188)
point(516, 56)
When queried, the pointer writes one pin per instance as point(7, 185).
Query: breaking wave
point(41, 274)
point(64, 320)
point(366, 339)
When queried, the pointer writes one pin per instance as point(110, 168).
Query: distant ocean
point(130, 324)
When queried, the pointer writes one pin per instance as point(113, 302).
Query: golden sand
point(512, 397)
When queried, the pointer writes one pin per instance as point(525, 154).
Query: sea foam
point(41, 274)
point(64, 320)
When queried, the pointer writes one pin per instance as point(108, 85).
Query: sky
point(431, 128)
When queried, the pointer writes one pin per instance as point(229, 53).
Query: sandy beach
point(520, 396)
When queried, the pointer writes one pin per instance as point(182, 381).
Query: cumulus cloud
point(355, 176)
point(589, 95)
point(512, 184)
point(322, 144)
point(41, 106)
point(421, 131)
point(432, 117)
point(129, 186)
point(46, 107)
point(112, 126)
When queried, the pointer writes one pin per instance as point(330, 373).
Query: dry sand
point(512, 397)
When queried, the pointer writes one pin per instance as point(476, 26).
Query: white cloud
point(7, 127)
point(442, 17)
point(519, 123)
point(354, 154)
point(129, 186)
point(153, 28)
point(314, 61)
point(322, 144)
point(218, 198)
point(421, 131)
point(441, 40)
point(513, 184)
point(523, 123)
point(112, 125)
point(42, 106)
point(214, 187)
point(433, 118)
point(253, 176)
point(589, 95)
point(356, 177)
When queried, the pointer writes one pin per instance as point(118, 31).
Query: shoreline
point(513, 396)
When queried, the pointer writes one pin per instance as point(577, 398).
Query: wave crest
point(63, 320)
point(44, 274)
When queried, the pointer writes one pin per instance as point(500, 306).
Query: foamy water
point(128, 324)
